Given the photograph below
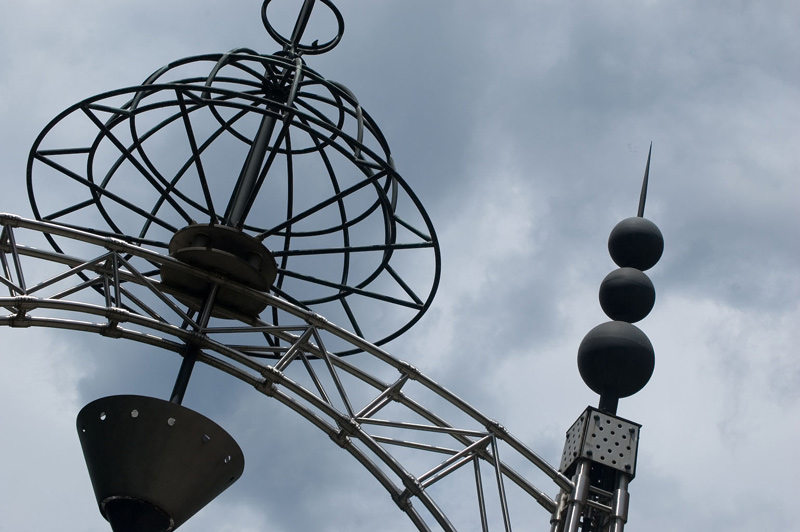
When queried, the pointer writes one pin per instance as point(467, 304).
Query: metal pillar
point(578, 496)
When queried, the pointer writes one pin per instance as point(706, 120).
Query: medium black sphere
point(616, 359)
point(636, 243)
point(627, 294)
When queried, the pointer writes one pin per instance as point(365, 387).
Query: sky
point(523, 127)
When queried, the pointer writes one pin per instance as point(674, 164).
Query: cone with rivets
point(153, 463)
point(616, 359)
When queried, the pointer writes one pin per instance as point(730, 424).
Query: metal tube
point(557, 519)
point(608, 404)
point(619, 506)
point(379, 402)
point(293, 351)
point(192, 350)
point(15, 256)
point(500, 488)
point(4, 262)
point(302, 22)
point(334, 375)
point(481, 498)
point(117, 291)
point(577, 498)
point(248, 178)
point(467, 450)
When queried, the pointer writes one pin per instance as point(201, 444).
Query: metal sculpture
point(615, 359)
point(154, 239)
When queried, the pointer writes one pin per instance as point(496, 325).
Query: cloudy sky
point(523, 126)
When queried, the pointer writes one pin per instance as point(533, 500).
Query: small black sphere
point(627, 294)
point(616, 359)
point(636, 243)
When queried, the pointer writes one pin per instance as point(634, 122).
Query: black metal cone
point(131, 515)
point(153, 463)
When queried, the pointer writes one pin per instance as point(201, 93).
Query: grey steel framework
point(154, 238)
point(411, 433)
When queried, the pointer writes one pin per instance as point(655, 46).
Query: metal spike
point(643, 196)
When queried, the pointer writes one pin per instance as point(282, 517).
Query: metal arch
point(112, 295)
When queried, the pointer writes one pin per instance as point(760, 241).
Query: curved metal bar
point(175, 105)
point(347, 415)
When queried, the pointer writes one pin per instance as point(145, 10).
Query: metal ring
point(302, 48)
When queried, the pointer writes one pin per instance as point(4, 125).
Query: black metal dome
point(264, 145)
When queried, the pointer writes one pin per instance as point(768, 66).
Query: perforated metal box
point(604, 439)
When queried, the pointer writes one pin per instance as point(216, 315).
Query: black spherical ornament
point(627, 294)
point(636, 243)
point(616, 359)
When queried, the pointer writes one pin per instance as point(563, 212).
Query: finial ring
point(296, 47)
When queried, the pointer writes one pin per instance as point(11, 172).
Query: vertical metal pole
point(115, 270)
point(619, 507)
point(3, 260)
point(248, 178)
point(608, 404)
point(578, 496)
point(557, 520)
point(192, 350)
point(246, 185)
point(15, 256)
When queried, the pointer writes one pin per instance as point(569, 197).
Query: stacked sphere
point(616, 359)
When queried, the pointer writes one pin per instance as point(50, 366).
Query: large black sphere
point(616, 359)
point(636, 243)
point(627, 294)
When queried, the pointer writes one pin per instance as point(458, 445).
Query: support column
point(578, 496)
point(619, 506)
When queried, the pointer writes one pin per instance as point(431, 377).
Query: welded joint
point(347, 427)
point(267, 388)
point(413, 489)
point(410, 371)
point(25, 303)
point(341, 438)
point(402, 500)
point(271, 375)
point(117, 314)
point(197, 338)
point(317, 320)
point(106, 267)
point(395, 391)
point(496, 428)
point(111, 330)
point(20, 320)
point(392, 393)
point(10, 220)
point(115, 244)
